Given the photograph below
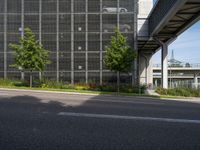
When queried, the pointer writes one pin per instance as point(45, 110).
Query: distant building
point(173, 62)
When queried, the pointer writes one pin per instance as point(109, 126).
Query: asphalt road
point(50, 121)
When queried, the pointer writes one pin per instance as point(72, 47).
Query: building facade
point(76, 32)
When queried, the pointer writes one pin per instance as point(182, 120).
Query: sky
point(186, 47)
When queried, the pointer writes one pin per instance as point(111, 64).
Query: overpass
point(191, 72)
point(166, 21)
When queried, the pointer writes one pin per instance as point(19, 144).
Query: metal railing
point(195, 65)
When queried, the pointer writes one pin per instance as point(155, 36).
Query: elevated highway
point(167, 20)
point(179, 73)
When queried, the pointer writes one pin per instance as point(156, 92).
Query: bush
point(6, 82)
point(10, 83)
point(186, 92)
point(161, 91)
point(53, 84)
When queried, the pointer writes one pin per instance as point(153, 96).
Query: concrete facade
point(145, 58)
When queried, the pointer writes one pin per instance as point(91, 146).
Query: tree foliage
point(119, 55)
point(29, 54)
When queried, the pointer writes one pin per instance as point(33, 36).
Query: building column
point(57, 43)
point(22, 33)
point(72, 42)
point(101, 44)
point(40, 31)
point(86, 42)
point(164, 62)
point(5, 39)
point(146, 69)
point(135, 70)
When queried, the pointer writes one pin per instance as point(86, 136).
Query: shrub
point(6, 82)
point(53, 84)
point(186, 92)
point(161, 91)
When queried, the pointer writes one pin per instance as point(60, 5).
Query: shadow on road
point(32, 122)
point(119, 105)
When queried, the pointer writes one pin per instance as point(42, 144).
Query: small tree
point(29, 54)
point(119, 55)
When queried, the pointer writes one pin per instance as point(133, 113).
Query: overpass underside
point(168, 19)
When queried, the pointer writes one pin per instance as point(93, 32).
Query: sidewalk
point(150, 92)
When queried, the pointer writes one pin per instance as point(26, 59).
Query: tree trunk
point(118, 82)
point(31, 79)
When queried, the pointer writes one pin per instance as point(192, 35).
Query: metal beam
point(57, 42)
point(5, 37)
point(22, 31)
point(72, 42)
point(101, 43)
point(86, 42)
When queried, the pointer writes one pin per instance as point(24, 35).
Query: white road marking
point(103, 116)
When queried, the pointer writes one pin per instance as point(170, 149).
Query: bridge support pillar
point(196, 81)
point(164, 62)
point(146, 69)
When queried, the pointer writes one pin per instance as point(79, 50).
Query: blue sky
point(186, 47)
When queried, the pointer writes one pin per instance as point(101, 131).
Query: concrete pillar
point(146, 69)
point(164, 62)
point(196, 81)
point(156, 83)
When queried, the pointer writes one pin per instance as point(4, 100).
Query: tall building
point(76, 32)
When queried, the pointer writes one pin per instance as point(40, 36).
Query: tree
point(119, 55)
point(29, 54)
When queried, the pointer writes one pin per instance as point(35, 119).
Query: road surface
point(57, 121)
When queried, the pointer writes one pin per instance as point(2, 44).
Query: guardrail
point(196, 65)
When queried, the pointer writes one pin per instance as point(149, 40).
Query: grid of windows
point(76, 32)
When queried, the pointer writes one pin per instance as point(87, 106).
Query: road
point(57, 121)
